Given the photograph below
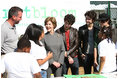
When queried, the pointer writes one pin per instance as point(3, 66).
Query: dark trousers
point(74, 67)
point(88, 63)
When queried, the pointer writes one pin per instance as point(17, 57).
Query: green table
point(85, 76)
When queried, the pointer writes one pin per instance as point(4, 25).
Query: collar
point(11, 27)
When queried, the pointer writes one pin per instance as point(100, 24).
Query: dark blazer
point(73, 40)
point(83, 38)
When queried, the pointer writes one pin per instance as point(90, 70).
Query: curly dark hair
point(107, 31)
point(92, 14)
point(70, 18)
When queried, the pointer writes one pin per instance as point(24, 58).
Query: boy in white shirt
point(21, 64)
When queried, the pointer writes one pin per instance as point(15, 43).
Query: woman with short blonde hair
point(53, 20)
point(54, 42)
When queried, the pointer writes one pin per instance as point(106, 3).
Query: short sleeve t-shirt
point(20, 65)
point(108, 51)
point(39, 52)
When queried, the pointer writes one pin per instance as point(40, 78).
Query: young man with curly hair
point(70, 37)
point(88, 41)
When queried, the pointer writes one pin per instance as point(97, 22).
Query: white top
point(19, 65)
point(39, 52)
point(108, 50)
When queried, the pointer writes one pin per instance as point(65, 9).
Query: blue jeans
point(43, 74)
point(74, 67)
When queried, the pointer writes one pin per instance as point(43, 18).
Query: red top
point(67, 33)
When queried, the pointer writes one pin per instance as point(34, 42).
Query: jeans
point(43, 74)
point(74, 67)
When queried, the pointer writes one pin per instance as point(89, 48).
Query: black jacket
point(83, 38)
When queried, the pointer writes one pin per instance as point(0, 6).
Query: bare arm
point(102, 61)
point(42, 61)
point(37, 75)
point(95, 57)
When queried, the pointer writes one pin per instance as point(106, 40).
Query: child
point(107, 51)
point(35, 33)
point(21, 64)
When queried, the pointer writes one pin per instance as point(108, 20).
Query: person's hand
point(65, 54)
point(95, 64)
point(83, 56)
point(70, 59)
point(56, 64)
point(50, 54)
